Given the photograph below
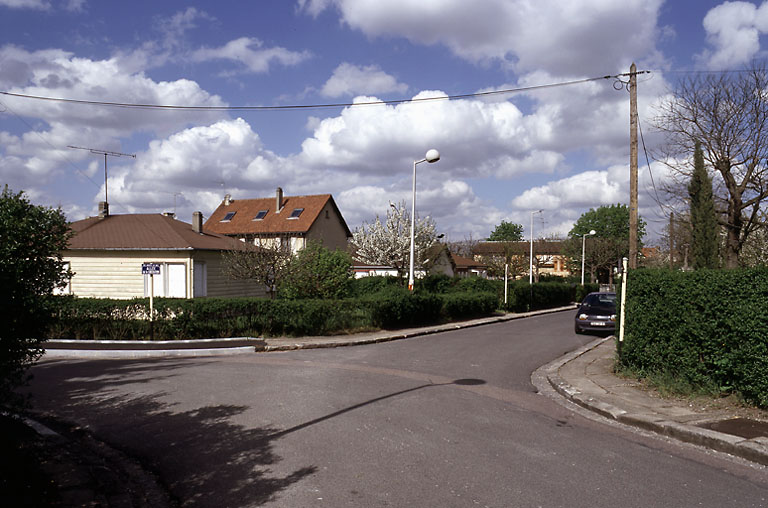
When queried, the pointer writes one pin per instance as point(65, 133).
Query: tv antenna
point(105, 153)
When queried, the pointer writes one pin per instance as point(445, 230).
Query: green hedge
point(88, 318)
point(705, 327)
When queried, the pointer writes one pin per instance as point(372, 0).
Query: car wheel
point(577, 329)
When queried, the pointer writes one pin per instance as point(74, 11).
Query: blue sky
point(563, 150)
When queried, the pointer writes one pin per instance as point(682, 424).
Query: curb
point(755, 450)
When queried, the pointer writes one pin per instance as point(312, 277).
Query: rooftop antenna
point(105, 153)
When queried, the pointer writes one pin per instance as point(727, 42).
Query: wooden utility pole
point(633, 166)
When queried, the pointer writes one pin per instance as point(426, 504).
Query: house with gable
point(291, 221)
point(106, 254)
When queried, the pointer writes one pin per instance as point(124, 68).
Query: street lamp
point(431, 156)
point(583, 251)
point(530, 264)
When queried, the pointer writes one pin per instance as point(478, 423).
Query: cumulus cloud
point(251, 53)
point(734, 29)
point(348, 79)
point(581, 36)
point(25, 4)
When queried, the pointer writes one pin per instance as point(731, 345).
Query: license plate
point(597, 323)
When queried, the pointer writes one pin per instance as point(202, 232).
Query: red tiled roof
point(143, 231)
point(243, 222)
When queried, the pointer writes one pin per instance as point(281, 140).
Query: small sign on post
point(151, 269)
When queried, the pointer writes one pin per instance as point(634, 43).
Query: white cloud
point(348, 79)
point(734, 29)
point(575, 37)
point(250, 52)
point(26, 4)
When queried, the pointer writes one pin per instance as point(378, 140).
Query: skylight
point(228, 217)
point(261, 214)
point(296, 213)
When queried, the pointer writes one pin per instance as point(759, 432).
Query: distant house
point(468, 267)
point(290, 220)
point(106, 255)
point(548, 255)
point(440, 261)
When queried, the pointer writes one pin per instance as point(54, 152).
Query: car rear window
point(601, 299)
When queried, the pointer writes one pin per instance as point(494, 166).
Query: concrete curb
point(755, 450)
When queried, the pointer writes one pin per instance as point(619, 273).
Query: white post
point(506, 283)
point(151, 297)
point(413, 226)
point(623, 299)
point(583, 251)
point(530, 263)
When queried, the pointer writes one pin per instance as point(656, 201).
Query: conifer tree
point(703, 218)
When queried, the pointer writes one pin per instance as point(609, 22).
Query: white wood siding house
point(106, 254)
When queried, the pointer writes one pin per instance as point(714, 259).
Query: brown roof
point(498, 248)
point(243, 222)
point(143, 232)
point(465, 263)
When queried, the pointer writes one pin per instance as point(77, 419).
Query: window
point(261, 214)
point(228, 217)
point(296, 213)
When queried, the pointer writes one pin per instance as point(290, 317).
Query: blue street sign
point(150, 268)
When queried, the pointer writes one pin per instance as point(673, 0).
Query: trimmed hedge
point(88, 318)
point(705, 327)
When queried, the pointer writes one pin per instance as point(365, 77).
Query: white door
point(176, 280)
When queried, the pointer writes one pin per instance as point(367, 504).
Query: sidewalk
point(586, 378)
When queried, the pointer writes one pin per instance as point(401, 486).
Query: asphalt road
point(443, 420)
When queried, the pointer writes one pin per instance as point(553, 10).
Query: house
point(290, 220)
point(548, 255)
point(106, 255)
point(468, 267)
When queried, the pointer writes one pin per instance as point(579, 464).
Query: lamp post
point(530, 264)
point(431, 156)
point(584, 250)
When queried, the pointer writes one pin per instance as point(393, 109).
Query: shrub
point(706, 326)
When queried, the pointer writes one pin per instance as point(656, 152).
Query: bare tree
point(728, 114)
point(388, 243)
point(266, 262)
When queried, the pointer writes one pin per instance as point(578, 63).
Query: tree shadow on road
point(202, 457)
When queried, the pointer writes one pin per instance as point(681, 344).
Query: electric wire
point(314, 106)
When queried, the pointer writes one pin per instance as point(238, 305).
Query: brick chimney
point(279, 200)
point(197, 222)
point(103, 209)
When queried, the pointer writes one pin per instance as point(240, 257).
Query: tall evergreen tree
point(703, 218)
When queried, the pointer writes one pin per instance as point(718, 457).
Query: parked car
point(596, 313)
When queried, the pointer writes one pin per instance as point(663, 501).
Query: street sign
point(150, 268)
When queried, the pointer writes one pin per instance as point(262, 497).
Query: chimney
point(227, 199)
point(172, 215)
point(103, 209)
point(279, 200)
point(197, 222)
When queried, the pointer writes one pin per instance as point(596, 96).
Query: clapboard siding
point(117, 274)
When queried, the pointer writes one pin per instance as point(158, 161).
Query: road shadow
point(201, 455)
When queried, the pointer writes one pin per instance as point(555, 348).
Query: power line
point(311, 106)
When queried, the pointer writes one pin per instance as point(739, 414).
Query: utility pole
point(105, 153)
point(633, 166)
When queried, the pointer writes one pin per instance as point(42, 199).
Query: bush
point(706, 326)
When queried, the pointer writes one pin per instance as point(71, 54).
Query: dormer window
point(261, 215)
point(296, 213)
point(228, 217)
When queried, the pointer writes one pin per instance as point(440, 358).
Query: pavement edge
point(754, 450)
